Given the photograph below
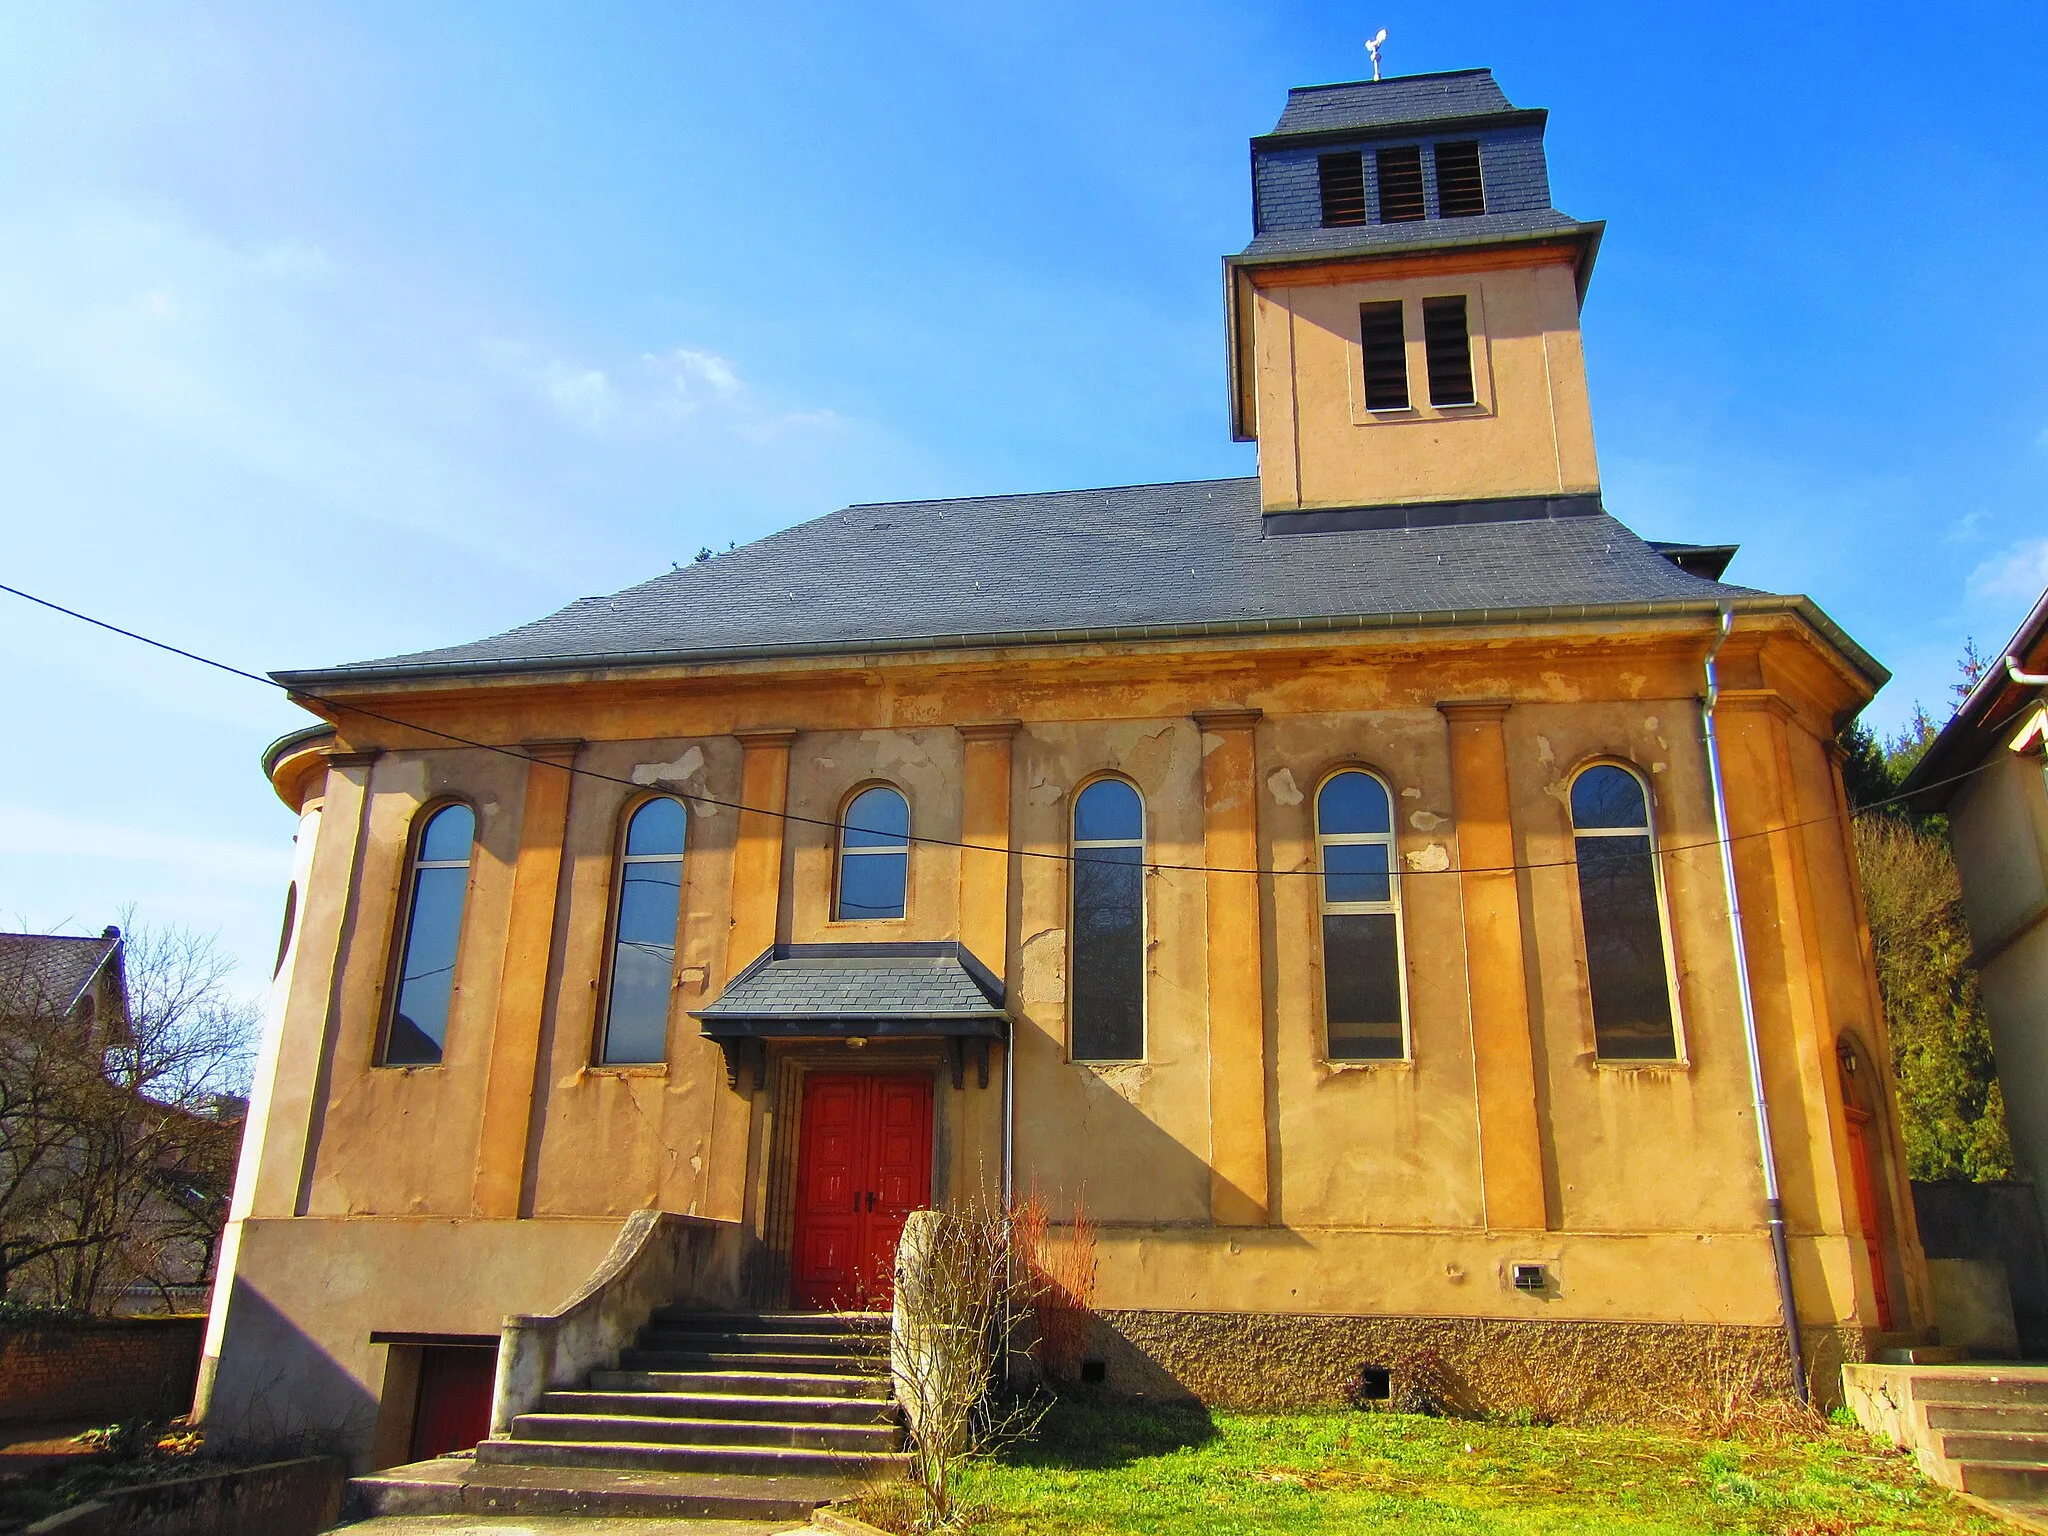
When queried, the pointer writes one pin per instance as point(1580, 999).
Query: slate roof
point(817, 984)
point(50, 972)
point(1192, 557)
point(1384, 239)
point(1368, 104)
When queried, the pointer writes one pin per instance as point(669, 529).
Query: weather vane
point(1372, 46)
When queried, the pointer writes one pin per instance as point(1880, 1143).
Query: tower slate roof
point(1191, 557)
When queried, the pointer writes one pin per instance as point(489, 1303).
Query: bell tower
point(1404, 326)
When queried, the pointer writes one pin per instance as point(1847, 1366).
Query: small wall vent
point(1094, 1372)
point(1531, 1277)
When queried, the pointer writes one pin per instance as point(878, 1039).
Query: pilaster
point(985, 828)
point(1238, 1187)
point(523, 981)
point(1503, 1056)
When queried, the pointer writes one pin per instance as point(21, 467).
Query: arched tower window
point(874, 855)
point(438, 887)
point(1107, 1021)
point(1364, 985)
point(1621, 901)
point(643, 964)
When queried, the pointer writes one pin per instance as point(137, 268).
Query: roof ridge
point(1071, 490)
point(1427, 74)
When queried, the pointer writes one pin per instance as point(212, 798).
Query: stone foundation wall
point(1560, 1372)
point(108, 1369)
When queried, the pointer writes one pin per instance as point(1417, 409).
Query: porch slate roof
point(795, 985)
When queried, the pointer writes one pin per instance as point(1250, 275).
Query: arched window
point(874, 855)
point(644, 935)
point(1108, 988)
point(1364, 985)
point(1627, 965)
point(433, 927)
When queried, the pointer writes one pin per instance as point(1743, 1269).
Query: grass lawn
point(1115, 1470)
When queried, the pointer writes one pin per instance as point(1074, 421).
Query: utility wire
point(342, 707)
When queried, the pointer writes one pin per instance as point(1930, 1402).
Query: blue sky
point(332, 331)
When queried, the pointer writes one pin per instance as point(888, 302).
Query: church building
point(1414, 916)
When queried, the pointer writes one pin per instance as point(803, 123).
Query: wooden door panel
point(864, 1163)
point(1869, 1211)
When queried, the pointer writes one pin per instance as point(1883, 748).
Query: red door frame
point(864, 1163)
point(1861, 1154)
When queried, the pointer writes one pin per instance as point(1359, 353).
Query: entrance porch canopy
point(857, 992)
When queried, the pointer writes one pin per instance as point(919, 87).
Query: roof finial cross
point(1372, 46)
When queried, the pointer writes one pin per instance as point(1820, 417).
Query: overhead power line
point(693, 797)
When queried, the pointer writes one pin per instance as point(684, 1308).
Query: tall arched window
point(874, 855)
point(644, 935)
point(1620, 900)
point(433, 929)
point(1108, 986)
point(1364, 985)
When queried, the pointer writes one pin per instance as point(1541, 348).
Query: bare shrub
point(1057, 1282)
point(956, 1297)
point(1739, 1395)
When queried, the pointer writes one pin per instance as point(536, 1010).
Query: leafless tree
point(118, 1135)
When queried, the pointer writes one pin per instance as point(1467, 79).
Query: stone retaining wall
point(107, 1369)
point(1563, 1372)
point(284, 1498)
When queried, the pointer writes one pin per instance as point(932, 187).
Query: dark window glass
point(874, 856)
point(433, 928)
point(1108, 1021)
point(644, 948)
point(1449, 345)
point(1385, 343)
point(284, 935)
point(1361, 919)
point(1625, 962)
point(1459, 192)
point(1400, 184)
point(1342, 180)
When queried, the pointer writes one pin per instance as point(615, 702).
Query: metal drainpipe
point(1009, 1112)
point(1765, 1151)
point(2024, 679)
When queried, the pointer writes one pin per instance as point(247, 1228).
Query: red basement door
point(863, 1164)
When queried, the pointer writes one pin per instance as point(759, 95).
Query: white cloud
point(659, 394)
point(29, 833)
point(2021, 571)
point(1967, 528)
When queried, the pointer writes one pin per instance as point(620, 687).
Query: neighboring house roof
point(51, 972)
point(1980, 724)
point(1191, 558)
point(888, 988)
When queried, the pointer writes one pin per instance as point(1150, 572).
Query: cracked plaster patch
point(1426, 821)
point(1043, 792)
point(1285, 791)
point(1127, 1079)
point(1411, 793)
point(1431, 859)
point(1044, 961)
point(408, 779)
point(685, 768)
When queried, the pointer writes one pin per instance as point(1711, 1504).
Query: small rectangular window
point(1385, 342)
point(1459, 192)
point(1401, 184)
point(1343, 183)
point(1449, 345)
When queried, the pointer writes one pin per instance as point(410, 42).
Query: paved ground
point(557, 1525)
point(27, 1447)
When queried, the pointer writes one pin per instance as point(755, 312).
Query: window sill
point(1671, 1064)
point(628, 1069)
point(1335, 1065)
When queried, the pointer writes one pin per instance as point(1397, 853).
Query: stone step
point(787, 1408)
point(451, 1485)
point(1923, 1354)
point(763, 1434)
point(745, 1360)
point(2003, 1479)
point(773, 1322)
point(1999, 1388)
point(659, 1336)
point(2021, 1449)
point(747, 1383)
point(2011, 1418)
point(726, 1461)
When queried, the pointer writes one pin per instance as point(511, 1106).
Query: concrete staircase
point(1980, 1429)
point(712, 1416)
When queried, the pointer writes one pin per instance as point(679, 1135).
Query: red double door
point(864, 1163)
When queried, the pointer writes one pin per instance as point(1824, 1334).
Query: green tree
point(1951, 1108)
